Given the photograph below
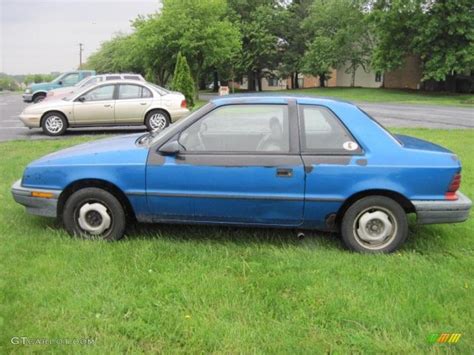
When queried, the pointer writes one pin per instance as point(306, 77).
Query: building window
point(273, 81)
point(378, 77)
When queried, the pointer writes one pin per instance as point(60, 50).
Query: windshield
point(152, 137)
point(58, 78)
point(82, 82)
point(159, 89)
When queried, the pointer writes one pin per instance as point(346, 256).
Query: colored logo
point(444, 338)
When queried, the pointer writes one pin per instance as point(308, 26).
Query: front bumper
point(28, 97)
point(434, 212)
point(30, 120)
point(39, 206)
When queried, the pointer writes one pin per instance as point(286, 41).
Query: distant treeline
point(224, 39)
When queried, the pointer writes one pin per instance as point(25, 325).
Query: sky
point(43, 36)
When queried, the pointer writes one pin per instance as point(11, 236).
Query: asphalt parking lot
point(390, 115)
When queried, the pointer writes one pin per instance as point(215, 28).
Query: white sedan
point(110, 103)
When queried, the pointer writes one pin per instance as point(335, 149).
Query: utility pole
point(81, 48)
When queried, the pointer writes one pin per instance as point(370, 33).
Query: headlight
point(28, 91)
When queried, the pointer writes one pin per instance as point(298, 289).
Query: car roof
point(276, 99)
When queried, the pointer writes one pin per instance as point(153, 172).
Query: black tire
point(38, 98)
point(54, 124)
point(390, 216)
point(96, 202)
point(157, 120)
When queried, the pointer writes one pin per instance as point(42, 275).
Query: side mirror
point(81, 99)
point(170, 148)
point(60, 82)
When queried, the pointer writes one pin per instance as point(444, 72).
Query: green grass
point(390, 96)
point(228, 290)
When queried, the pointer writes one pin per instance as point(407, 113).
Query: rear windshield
point(160, 90)
point(381, 126)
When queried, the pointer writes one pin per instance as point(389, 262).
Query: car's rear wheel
point(374, 224)
point(54, 124)
point(38, 98)
point(157, 120)
point(94, 213)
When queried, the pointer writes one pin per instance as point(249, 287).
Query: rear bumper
point(433, 212)
point(39, 206)
point(178, 114)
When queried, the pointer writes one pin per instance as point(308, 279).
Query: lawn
point(390, 96)
point(228, 290)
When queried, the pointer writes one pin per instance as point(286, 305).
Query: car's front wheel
point(94, 213)
point(54, 124)
point(374, 224)
point(38, 98)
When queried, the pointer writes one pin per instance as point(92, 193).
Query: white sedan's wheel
point(157, 120)
point(54, 124)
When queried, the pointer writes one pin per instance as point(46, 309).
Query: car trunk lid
point(420, 144)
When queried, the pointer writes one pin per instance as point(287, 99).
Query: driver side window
point(100, 94)
point(240, 128)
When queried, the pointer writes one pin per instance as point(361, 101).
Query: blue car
point(274, 161)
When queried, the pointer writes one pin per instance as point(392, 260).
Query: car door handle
point(143, 103)
point(107, 105)
point(281, 172)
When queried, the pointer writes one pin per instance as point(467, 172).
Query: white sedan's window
point(240, 128)
point(101, 93)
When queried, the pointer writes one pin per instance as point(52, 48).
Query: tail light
point(453, 187)
point(183, 104)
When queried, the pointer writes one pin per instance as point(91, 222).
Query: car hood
point(110, 151)
point(420, 144)
point(39, 86)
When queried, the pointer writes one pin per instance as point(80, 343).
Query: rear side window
point(323, 133)
point(133, 92)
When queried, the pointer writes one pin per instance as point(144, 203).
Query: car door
point(332, 159)
point(96, 106)
point(239, 164)
point(132, 102)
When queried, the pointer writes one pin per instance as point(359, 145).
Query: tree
point(38, 78)
point(201, 31)
point(440, 32)
point(260, 22)
point(183, 80)
point(340, 37)
point(8, 83)
point(117, 55)
point(295, 39)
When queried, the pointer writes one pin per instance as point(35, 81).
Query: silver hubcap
point(94, 218)
point(157, 121)
point(54, 124)
point(375, 228)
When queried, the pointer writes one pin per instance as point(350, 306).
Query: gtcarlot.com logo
point(22, 340)
point(444, 338)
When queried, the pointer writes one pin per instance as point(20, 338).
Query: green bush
point(183, 80)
